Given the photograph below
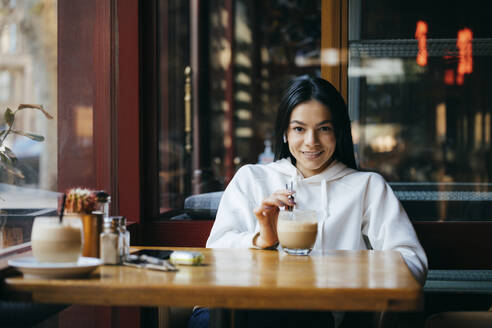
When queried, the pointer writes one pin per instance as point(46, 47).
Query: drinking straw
point(292, 189)
point(288, 207)
point(63, 207)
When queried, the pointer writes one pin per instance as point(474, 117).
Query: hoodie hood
point(334, 171)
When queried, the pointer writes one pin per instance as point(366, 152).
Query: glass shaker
point(125, 236)
point(110, 243)
point(103, 202)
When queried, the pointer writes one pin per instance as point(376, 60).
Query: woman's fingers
point(279, 199)
point(269, 207)
point(267, 215)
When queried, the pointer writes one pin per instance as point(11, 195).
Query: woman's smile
point(312, 154)
point(311, 137)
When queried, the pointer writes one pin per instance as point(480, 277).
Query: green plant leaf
point(38, 107)
point(2, 132)
point(11, 170)
point(34, 137)
point(4, 158)
point(9, 116)
point(7, 151)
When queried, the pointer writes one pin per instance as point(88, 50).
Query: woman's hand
point(267, 215)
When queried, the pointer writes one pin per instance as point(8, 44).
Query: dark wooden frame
point(229, 115)
point(98, 67)
point(128, 165)
point(149, 69)
point(334, 35)
point(199, 59)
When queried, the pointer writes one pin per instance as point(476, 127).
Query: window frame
point(113, 91)
point(99, 65)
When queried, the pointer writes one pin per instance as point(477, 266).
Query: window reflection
point(418, 95)
point(248, 52)
point(417, 81)
point(83, 125)
point(273, 41)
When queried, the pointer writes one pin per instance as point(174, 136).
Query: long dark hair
point(305, 88)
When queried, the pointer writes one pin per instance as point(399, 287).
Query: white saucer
point(34, 269)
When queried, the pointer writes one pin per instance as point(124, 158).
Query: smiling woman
point(305, 97)
point(311, 138)
point(314, 153)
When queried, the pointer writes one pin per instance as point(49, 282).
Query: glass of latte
point(297, 231)
point(55, 241)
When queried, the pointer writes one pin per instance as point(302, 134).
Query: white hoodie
point(350, 204)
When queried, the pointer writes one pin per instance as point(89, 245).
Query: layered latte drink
point(52, 241)
point(297, 231)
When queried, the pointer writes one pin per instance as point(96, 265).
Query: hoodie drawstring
point(295, 180)
point(324, 197)
point(325, 214)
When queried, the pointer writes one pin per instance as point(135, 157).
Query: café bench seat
point(459, 281)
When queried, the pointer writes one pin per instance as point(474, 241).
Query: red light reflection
point(449, 76)
point(464, 44)
point(421, 36)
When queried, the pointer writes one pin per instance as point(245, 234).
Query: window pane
point(28, 75)
point(273, 42)
point(268, 43)
point(420, 102)
point(173, 38)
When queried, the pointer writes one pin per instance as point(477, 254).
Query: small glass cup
point(55, 241)
point(91, 227)
point(297, 231)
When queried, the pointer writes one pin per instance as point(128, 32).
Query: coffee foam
point(292, 225)
point(56, 231)
point(305, 215)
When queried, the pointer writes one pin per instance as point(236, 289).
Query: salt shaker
point(124, 238)
point(110, 243)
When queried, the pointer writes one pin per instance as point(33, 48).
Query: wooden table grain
point(246, 279)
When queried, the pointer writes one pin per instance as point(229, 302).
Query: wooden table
point(246, 279)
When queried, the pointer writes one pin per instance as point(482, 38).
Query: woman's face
point(311, 137)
